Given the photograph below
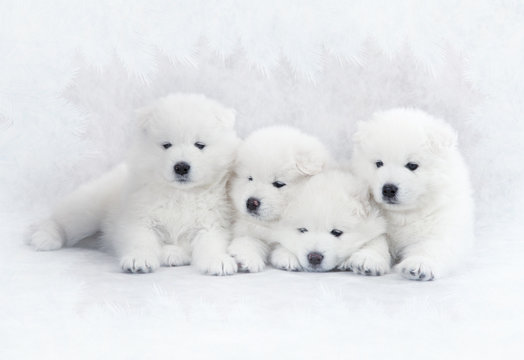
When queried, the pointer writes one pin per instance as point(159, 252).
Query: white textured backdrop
point(71, 73)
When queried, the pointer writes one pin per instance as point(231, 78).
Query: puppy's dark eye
point(336, 232)
point(200, 145)
point(167, 145)
point(302, 230)
point(412, 166)
point(250, 178)
point(379, 164)
point(278, 184)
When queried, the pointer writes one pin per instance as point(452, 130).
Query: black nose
point(315, 258)
point(389, 191)
point(252, 204)
point(182, 168)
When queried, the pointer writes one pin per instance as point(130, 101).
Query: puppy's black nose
point(252, 204)
point(315, 258)
point(182, 168)
point(389, 191)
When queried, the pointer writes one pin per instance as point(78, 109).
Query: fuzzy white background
point(71, 74)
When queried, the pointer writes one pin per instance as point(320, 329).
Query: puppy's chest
point(406, 229)
point(181, 215)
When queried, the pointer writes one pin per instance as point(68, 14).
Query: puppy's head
point(271, 163)
point(185, 140)
point(402, 154)
point(330, 218)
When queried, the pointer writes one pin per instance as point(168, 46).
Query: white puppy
point(167, 203)
point(416, 174)
point(271, 165)
point(332, 224)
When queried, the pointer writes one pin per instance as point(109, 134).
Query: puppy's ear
point(311, 157)
point(226, 117)
point(443, 137)
point(144, 116)
point(360, 132)
point(360, 192)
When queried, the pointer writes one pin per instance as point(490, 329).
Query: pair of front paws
point(146, 262)
point(412, 268)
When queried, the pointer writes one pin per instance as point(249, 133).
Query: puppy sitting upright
point(271, 165)
point(416, 174)
point(167, 203)
point(331, 224)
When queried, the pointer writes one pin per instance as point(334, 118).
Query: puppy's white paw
point(139, 262)
point(285, 260)
point(173, 255)
point(417, 268)
point(366, 263)
point(46, 236)
point(219, 265)
point(249, 262)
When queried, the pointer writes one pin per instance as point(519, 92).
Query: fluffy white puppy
point(331, 224)
point(416, 174)
point(272, 164)
point(167, 203)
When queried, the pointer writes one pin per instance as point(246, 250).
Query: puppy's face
point(402, 156)
point(186, 141)
point(327, 221)
point(271, 163)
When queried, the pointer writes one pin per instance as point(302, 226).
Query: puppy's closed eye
point(302, 230)
point(167, 145)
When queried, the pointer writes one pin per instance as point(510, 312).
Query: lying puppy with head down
point(167, 203)
point(416, 174)
point(331, 224)
point(271, 166)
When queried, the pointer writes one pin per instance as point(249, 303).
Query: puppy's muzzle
point(252, 205)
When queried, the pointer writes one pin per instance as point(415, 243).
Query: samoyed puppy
point(418, 177)
point(331, 224)
point(271, 165)
point(167, 204)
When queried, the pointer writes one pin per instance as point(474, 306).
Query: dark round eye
point(250, 178)
point(167, 145)
point(379, 164)
point(200, 145)
point(412, 166)
point(302, 230)
point(336, 232)
point(278, 184)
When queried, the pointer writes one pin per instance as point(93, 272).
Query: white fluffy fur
point(331, 201)
point(430, 222)
point(277, 153)
point(149, 215)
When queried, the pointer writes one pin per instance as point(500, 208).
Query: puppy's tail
point(80, 214)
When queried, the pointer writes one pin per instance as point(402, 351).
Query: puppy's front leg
point(249, 252)
point(210, 253)
point(371, 259)
point(138, 248)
